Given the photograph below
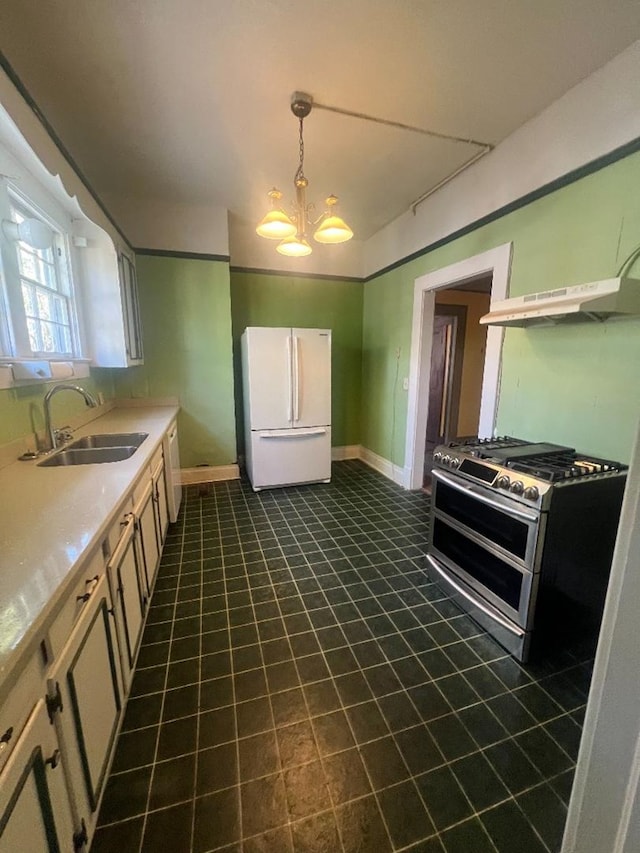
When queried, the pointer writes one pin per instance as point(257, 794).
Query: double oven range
point(522, 537)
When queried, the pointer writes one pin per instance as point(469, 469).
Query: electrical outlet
point(405, 383)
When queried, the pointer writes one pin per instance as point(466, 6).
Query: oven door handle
point(518, 513)
point(474, 601)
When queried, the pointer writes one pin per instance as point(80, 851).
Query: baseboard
point(216, 473)
point(209, 474)
point(349, 451)
point(392, 472)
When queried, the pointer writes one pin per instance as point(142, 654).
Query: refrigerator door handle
point(293, 433)
point(289, 381)
point(296, 378)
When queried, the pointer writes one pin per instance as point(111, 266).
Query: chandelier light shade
point(294, 247)
point(332, 228)
point(291, 228)
point(276, 225)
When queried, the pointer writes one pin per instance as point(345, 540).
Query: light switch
point(405, 383)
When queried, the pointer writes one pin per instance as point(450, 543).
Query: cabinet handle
point(54, 759)
point(6, 737)
point(54, 703)
point(93, 582)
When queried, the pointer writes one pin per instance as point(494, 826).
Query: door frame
point(496, 262)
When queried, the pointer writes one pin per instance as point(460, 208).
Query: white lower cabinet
point(35, 810)
point(54, 761)
point(125, 574)
point(146, 518)
point(85, 702)
point(160, 501)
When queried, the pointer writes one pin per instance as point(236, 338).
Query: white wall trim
point(383, 466)
point(209, 474)
point(496, 261)
point(216, 473)
point(347, 451)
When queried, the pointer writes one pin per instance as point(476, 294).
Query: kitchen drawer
point(156, 460)
point(115, 531)
point(75, 602)
point(141, 486)
point(16, 708)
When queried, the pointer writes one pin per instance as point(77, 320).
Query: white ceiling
point(187, 101)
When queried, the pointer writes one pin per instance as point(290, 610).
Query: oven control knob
point(437, 457)
point(455, 462)
point(517, 488)
point(532, 493)
point(446, 459)
point(503, 482)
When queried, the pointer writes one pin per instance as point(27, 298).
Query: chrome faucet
point(64, 386)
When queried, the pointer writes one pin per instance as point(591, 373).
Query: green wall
point(260, 299)
point(186, 318)
point(574, 384)
point(21, 412)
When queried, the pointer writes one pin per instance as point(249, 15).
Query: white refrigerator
point(286, 379)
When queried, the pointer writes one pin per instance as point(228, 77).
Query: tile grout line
point(269, 694)
point(333, 808)
point(372, 787)
point(157, 744)
point(198, 715)
point(232, 673)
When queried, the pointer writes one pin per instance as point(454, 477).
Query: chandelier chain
point(300, 172)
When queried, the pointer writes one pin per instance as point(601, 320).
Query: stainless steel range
point(522, 537)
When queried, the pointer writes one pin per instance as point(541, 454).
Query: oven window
point(492, 572)
point(496, 526)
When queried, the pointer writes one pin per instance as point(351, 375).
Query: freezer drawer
point(284, 457)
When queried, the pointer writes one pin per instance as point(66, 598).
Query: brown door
point(444, 380)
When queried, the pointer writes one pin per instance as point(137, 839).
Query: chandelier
point(291, 229)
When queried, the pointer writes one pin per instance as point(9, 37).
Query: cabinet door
point(130, 310)
point(146, 514)
point(160, 502)
point(84, 681)
point(125, 579)
point(35, 812)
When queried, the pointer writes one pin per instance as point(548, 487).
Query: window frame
point(14, 335)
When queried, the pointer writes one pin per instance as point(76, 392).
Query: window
point(41, 312)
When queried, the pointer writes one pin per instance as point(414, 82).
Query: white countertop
point(50, 518)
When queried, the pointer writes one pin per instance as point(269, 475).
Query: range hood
point(595, 300)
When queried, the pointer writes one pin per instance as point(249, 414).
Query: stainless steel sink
point(117, 439)
point(88, 456)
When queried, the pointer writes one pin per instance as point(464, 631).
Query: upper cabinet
point(109, 296)
point(130, 309)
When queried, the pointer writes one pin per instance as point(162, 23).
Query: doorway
point(495, 264)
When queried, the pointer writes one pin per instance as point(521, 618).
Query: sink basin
point(118, 439)
point(88, 456)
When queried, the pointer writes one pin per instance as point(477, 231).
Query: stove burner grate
point(563, 466)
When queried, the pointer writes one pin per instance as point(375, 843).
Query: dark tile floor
point(303, 687)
